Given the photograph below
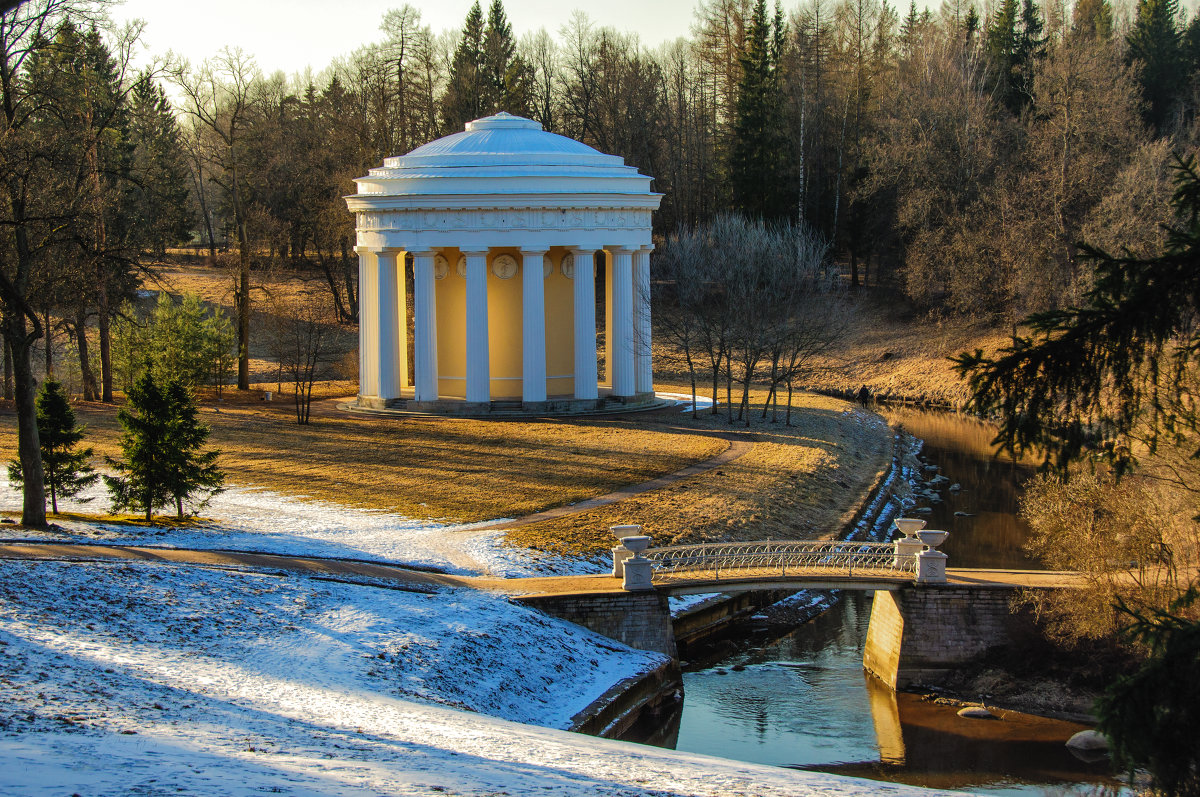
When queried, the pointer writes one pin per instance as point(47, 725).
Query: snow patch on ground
point(151, 678)
point(249, 519)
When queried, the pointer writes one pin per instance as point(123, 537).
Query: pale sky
point(291, 35)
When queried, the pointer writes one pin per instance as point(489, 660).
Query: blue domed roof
point(503, 136)
point(504, 154)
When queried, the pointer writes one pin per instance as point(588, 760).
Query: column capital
point(622, 250)
point(474, 252)
point(537, 249)
point(647, 248)
point(379, 250)
point(582, 250)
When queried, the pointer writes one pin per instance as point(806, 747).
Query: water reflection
point(803, 701)
point(982, 515)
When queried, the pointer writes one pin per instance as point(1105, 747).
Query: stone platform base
point(562, 406)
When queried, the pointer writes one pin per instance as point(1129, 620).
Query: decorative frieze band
point(503, 219)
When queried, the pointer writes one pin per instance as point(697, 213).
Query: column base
point(378, 402)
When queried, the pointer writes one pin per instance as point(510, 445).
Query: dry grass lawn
point(798, 482)
point(446, 469)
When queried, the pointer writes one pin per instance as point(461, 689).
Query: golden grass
point(459, 470)
point(797, 482)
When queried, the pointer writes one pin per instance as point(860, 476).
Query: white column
point(533, 326)
point(368, 327)
point(389, 356)
point(424, 327)
point(479, 382)
point(622, 323)
point(585, 324)
point(643, 363)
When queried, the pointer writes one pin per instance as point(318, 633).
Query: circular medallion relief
point(504, 266)
point(461, 266)
point(440, 267)
point(547, 266)
point(568, 265)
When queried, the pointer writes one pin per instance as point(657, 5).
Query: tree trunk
point(349, 272)
point(687, 353)
point(33, 508)
point(243, 313)
point(8, 371)
point(104, 323)
point(88, 377)
point(242, 296)
point(53, 498)
point(49, 348)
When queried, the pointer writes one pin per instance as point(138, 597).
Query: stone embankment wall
point(627, 701)
point(918, 634)
point(641, 620)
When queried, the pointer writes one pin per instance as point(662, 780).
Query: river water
point(804, 700)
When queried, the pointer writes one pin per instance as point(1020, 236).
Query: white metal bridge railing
point(779, 559)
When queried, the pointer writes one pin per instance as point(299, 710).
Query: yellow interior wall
point(560, 329)
point(451, 300)
point(504, 328)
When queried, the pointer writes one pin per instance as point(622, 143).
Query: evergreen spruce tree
point(160, 171)
point(67, 472)
point(506, 76)
point(1151, 715)
point(1156, 42)
point(756, 157)
point(464, 97)
point(1092, 19)
point(161, 462)
point(192, 470)
point(1014, 42)
point(910, 30)
point(971, 25)
point(1001, 43)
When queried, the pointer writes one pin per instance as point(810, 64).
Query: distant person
point(864, 396)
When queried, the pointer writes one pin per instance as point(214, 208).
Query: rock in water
point(976, 713)
point(1088, 740)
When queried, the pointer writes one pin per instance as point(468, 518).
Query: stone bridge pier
point(921, 632)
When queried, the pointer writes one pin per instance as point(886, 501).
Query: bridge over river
point(926, 618)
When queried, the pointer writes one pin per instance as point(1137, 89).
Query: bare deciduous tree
point(303, 342)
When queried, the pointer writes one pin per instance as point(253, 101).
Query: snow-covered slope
point(157, 679)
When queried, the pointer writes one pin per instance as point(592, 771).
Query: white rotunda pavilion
point(506, 225)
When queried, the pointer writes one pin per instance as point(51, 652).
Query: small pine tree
point(192, 469)
point(67, 472)
point(161, 463)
